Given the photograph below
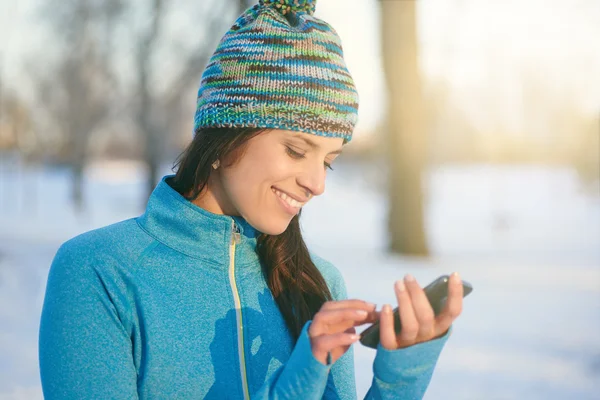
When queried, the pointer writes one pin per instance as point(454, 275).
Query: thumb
point(324, 344)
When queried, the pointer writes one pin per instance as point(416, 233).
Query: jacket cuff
point(393, 366)
point(303, 373)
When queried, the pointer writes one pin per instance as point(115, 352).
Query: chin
point(273, 227)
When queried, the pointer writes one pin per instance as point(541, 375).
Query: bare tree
point(157, 111)
point(405, 126)
point(15, 124)
point(81, 92)
point(147, 116)
point(77, 91)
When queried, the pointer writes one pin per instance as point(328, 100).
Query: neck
point(214, 200)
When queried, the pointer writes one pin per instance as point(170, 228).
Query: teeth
point(293, 202)
point(288, 199)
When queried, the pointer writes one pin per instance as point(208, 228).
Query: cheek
point(263, 170)
point(248, 186)
point(250, 181)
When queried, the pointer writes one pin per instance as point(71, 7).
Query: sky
point(483, 50)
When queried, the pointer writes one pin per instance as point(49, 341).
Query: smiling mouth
point(288, 199)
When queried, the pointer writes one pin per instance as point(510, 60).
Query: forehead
point(327, 143)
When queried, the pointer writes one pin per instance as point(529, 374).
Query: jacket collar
point(183, 226)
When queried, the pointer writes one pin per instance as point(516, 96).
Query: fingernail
point(409, 278)
point(362, 313)
point(386, 308)
point(354, 337)
point(456, 277)
point(400, 286)
point(371, 305)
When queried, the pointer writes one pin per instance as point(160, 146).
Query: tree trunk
point(405, 127)
point(78, 163)
point(77, 187)
point(146, 118)
point(153, 177)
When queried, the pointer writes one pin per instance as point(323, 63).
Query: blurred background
point(477, 150)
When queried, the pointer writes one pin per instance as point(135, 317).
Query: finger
point(331, 343)
point(351, 303)
point(325, 321)
point(422, 309)
point(410, 325)
point(339, 351)
point(387, 335)
point(345, 324)
point(322, 327)
point(354, 303)
point(453, 306)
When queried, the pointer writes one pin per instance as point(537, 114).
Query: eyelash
point(294, 154)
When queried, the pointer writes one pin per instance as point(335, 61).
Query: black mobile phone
point(436, 292)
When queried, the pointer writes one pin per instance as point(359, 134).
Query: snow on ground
point(527, 238)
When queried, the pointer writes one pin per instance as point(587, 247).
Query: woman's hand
point(332, 328)
point(419, 324)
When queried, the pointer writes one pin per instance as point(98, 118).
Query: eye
point(293, 153)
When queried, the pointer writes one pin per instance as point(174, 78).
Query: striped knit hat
point(279, 67)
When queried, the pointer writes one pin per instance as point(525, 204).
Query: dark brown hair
point(297, 285)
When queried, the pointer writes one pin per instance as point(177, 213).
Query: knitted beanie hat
point(279, 67)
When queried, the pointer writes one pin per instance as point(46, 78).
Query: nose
point(313, 179)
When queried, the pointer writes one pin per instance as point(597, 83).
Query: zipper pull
point(235, 234)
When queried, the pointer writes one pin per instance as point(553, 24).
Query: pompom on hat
point(279, 67)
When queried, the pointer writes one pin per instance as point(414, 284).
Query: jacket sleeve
point(79, 322)
point(402, 374)
point(302, 377)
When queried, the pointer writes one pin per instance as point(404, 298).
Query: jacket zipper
point(235, 239)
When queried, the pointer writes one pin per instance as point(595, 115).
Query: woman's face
point(277, 174)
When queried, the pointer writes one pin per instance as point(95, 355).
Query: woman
point(212, 293)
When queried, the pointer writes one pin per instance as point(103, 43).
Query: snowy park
point(483, 117)
point(526, 237)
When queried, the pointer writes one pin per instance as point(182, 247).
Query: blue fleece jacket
point(173, 305)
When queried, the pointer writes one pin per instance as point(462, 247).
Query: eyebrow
point(314, 145)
